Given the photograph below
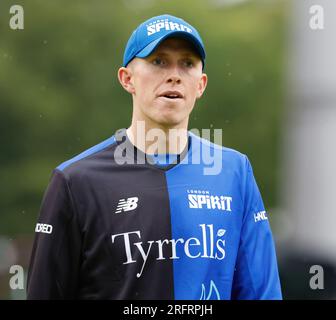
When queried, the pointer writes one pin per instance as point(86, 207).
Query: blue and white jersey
point(115, 224)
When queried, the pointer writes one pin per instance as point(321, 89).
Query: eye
point(158, 61)
point(188, 63)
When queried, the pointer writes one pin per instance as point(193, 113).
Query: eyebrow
point(184, 53)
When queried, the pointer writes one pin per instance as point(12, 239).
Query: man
point(126, 220)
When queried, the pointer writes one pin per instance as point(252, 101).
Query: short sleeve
point(256, 274)
point(55, 260)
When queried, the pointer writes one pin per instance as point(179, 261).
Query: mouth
point(171, 95)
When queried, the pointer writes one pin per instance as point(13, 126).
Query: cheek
point(193, 91)
point(192, 85)
point(145, 86)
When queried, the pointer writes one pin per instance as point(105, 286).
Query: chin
point(168, 121)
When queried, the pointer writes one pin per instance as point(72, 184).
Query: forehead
point(176, 45)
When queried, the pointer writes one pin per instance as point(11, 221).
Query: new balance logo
point(127, 204)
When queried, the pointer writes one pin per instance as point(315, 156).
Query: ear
point(202, 85)
point(125, 77)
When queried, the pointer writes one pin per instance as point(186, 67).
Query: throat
point(157, 141)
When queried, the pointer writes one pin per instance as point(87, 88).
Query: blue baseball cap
point(149, 34)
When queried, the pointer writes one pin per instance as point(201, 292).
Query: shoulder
point(89, 156)
point(227, 155)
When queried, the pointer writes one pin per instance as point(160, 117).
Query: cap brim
point(145, 52)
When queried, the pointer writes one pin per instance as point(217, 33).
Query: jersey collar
point(137, 156)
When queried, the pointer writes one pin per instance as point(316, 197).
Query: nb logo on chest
point(128, 204)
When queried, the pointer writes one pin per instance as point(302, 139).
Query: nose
point(174, 76)
point(174, 79)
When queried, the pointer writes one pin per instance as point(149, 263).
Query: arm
point(55, 261)
point(256, 273)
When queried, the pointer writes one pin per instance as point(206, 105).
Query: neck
point(152, 139)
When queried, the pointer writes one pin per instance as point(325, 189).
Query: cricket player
point(133, 219)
